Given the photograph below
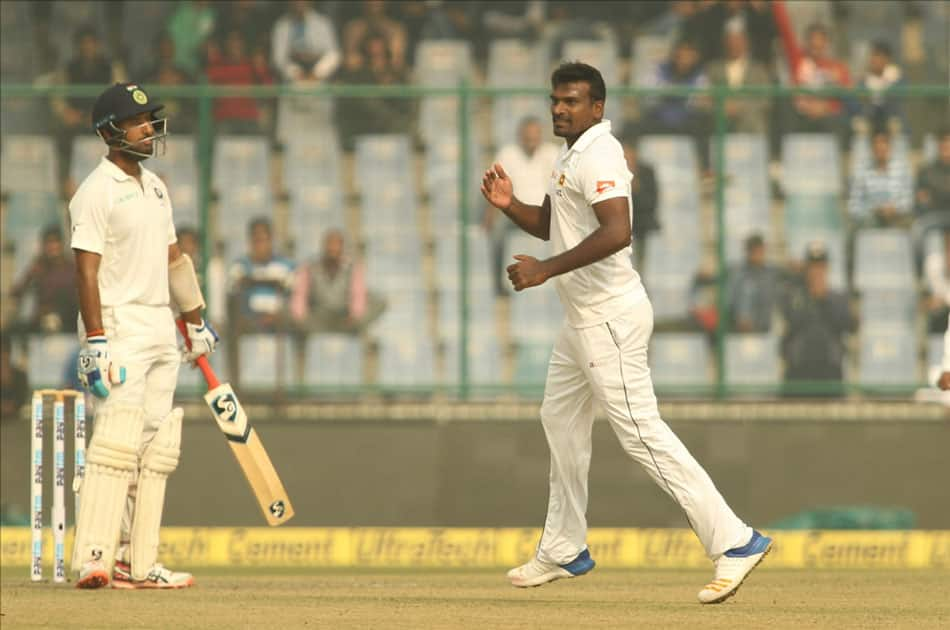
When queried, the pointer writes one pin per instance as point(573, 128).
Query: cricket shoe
point(158, 577)
point(93, 574)
point(733, 567)
point(535, 572)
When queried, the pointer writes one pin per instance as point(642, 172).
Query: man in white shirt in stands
point(601, 352)
point(129, 269)
point(528, 163)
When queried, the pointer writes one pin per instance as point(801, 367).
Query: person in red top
point(813, 67)
point(230, 64)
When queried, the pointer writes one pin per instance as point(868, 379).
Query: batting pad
point(111, 464)
point(159, 460)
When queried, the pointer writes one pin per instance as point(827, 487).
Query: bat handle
point(202, 362)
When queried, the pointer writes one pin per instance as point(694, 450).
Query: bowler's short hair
point(577, 72)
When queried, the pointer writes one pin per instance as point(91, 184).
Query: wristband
point(98, 332)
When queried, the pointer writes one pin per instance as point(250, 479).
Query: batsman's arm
point(87, 283)
point(611, 236)
point(183, 285)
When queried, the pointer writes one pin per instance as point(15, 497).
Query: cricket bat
point(245, 444)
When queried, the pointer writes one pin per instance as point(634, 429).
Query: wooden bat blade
point(250, 454)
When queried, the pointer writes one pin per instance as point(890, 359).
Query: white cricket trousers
point(143, 340)
point(607, 363)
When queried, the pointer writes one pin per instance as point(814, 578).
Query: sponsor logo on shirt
point(604, 185)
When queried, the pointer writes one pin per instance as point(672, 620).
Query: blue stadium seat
point(883, 259)
point(935, 349)
point(441, 63)
point(313, 210)
point(178, 168)
point(87, 152)
point(679, 359)
point(28, 163)
point(672, 259)
point(811, 164)
point(888, 357)
point(333, 359)
point(536, 313)
point(888, 308)
point(484, 358)
point(481, 313)
point(241, 179)
point(26, 215)
point(261, 357)
point(406, 315)
point(441, 181)
point(406, 360)
point(513, 63)
point(747, 198)
point(649, 51)
point(49, 358)
point(677, 171)
point(752, 359)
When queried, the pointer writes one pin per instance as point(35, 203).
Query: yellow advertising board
point(402, 547)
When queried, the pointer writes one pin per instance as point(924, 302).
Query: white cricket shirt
point(131, 227)
point(591, 171)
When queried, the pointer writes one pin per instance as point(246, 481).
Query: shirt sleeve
point(89, 218)
point(603, 174)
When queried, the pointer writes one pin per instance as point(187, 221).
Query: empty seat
point(752, 359)
point(313, 210)
point(481, 313)
point(406, 313)
point(441, 63)
point(677, 171)
point(406, 360)
point(265, 360)
point(679, 360)
point(747, 199)
point(28, 164)
point(531, 363)
point(178, 168)
point(443, 186)
point(670, 265)
point(513, 63)
point(333, 359)
point(87, 152)
point(536, 313)
point(888, 357)
point(888, 308)
point(811, 164)
point(241, 179)
point(935, 345)
point(883, 259)
point(52, 359)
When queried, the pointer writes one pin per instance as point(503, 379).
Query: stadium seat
point(752, 359)
point(677, 171)
point(28, 164)
point(394, 257)
point(935, 345)
point(333, 359)
point(87, 152)
point(929, 152)
point(406, 315)
point(406, 360)
point(441, 63)
point(649, 51)
point(484, 358)
point(536, 314)
point(481, 312)
point(512, 63)
point(883, 259)
point(747, 199)
point(888, 308)
point(50, 358)
point(888, 357)
point(390, 202)
point(442, 184)
point(178, 168)
point(679, 360)
point(313, 210)
point(670, 265)
point(26, 215)
point(265, 360)
point(241, 179)
point(811, 164)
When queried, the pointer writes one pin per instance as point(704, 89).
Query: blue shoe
point(536, 572)
point(733, 567)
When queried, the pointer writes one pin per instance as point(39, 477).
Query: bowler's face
point(572, 109)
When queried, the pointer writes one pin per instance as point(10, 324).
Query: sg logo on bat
point(228, 413)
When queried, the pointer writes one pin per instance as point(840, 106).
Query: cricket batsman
point(600, 355)
point(130, 276)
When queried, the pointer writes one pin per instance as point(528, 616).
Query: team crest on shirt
point(159, 193)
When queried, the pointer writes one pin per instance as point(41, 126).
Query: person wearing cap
point(817, 320)
point(130, 275)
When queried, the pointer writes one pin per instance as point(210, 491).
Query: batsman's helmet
point(122, 101)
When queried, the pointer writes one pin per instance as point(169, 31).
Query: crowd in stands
point(895, 183)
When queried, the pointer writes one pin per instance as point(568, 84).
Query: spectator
point(167, 72)
point(817, 320)
point(51, 280)
point(881, 110)
point(681, 114)
point(645, 197)
point(259, 283)
point(745, 115)
point(752, 291)
point(213, 278)
point(304, 46)
point(933, 181)
point(813, 68)
point(330, 293)
point(372, 115)
point(754, 18)
point(190, 27)
point(374, 23)
point(528, 162)
point(937, 281)
point(72, 114)
point(451, 20)
point(252, 19)
point(233, 65)
point(14, 388)
point(881, 191)
point(519, 19)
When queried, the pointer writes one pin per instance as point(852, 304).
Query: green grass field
point(481, 599)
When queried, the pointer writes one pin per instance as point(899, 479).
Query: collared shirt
point(873, 188)
point(528, 173)
point(131, 227)
point(591, 171)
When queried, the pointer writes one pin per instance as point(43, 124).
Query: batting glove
point(96, 371)
point(202, 339)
